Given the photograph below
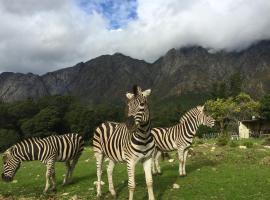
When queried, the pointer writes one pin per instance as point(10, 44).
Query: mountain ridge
point(108, 77)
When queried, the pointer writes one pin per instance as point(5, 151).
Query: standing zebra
point(179, 137)
point(62, 148)
point(128, 142)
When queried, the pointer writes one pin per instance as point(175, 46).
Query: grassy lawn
point(212, 173)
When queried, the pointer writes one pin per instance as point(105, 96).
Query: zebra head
point(138, 111)
point(205, 119)
point(10, 164)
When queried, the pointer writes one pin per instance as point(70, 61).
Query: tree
point(265, 106)
point(8, 138)
point(221, 110)
point(236, 81)
point(45, 123)
point(246, 107)
point(232, 109)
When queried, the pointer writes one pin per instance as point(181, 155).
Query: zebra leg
point(148, 177)
point(99, 161)
point(131, 179)
point(53, 179)
point(67, 175)
point(110, 179)
point(153, 162)
point(158, 154)
point(73, 164)
point(181, 161)
point(184, 164)
point(49, 172)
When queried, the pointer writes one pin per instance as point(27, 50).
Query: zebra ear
point(129, 95)
point(146, 92)
point(200, 108)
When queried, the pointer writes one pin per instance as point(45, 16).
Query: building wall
point(243, 131)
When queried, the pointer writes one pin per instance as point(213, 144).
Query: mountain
point(107, 78)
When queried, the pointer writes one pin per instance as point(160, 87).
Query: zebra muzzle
point(6, 178)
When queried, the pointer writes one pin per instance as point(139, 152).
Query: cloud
point(41, 36)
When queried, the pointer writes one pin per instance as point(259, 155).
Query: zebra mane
point(135, 90)
point(187, 115)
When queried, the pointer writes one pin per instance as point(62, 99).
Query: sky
point(42, 36)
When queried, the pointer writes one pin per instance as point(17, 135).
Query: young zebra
point(128, 142)
point(62, 148)
point(179, 137)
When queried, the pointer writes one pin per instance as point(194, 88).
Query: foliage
point(45, 123)
point(234, 143)
point(223, 139)
point(232, 109)
point(248, 144)
point(236, 82)
point(265, 106)
point(266, 141)
point(8, 138)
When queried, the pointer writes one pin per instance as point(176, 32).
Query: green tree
point(8, 138)
point(265, 106)
point(232, 109)
point(45, 123)
point(236, 81)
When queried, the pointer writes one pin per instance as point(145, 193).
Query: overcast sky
point(41, 36)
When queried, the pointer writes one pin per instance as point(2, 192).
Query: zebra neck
point(27, 150)
point(189, 127)
point(143, 131)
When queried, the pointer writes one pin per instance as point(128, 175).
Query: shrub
point(8, 138)
point(234, 144)
point(198, 141)
point(248, 144)
point(223, 139)
point(266, 141)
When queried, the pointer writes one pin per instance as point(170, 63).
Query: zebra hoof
point(160, 173)
point(182, 175)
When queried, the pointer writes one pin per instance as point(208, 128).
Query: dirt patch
point(265, 161)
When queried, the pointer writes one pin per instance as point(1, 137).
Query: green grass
point(225, 173)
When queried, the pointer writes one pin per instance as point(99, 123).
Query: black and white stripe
point(128, 142)
point(63, 148)
point(179, 137)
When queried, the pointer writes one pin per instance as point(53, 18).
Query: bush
point(198, 141)
point(248, 144)
point(8, 138)
point(266, 141)
point(223, 139)
point(234, 144)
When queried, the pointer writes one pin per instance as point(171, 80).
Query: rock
point(242, 147)
point(95, 182)
point(171, 160)
point(15, 181)
point(75, 197)
point(176, 186)
point(266, 146)
point(65, 194)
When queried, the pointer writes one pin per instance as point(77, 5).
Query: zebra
point(179, 137)
point(61, 148)
point(128, 142)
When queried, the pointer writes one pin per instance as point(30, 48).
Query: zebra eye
point(142, 104)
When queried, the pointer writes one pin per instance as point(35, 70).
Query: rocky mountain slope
point(108, 77)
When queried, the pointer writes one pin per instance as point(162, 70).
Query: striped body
point(62, 148)
point(127, 142)
point(118, 144)
point(179, 137)
point(58, 147)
